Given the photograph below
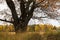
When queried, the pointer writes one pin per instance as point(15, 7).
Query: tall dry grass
point(34, 32)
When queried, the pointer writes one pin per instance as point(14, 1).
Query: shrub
point(37, 28)
point(10, 28)
point(31, 28)
point(1, 28)
point(42, 27)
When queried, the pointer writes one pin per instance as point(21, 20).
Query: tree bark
point(11, 5)
point(20, 24)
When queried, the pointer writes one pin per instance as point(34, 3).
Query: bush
point(37, 28)
point(31, 28)
point(1, 28)
point(5, 28)
point(10, 28)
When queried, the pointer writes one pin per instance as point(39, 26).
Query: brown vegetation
point(34, 32)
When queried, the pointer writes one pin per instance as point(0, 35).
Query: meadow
point(34, 32)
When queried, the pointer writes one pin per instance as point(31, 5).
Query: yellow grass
point(35, 32)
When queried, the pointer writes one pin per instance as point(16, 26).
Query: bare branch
point(6, 21)
point(28, 3)
point(11, 5)
point(38, 17)
point(22, 6)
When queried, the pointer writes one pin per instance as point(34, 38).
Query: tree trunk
point(20, 24)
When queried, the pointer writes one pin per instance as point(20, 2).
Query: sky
point(54, 22)
point(44, 21)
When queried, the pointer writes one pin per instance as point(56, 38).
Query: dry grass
point(19, 36)
point(29, 36)
point(34, 32)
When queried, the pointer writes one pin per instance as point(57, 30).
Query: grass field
point(29, 36)
point(34, 32)
point(18, 36)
